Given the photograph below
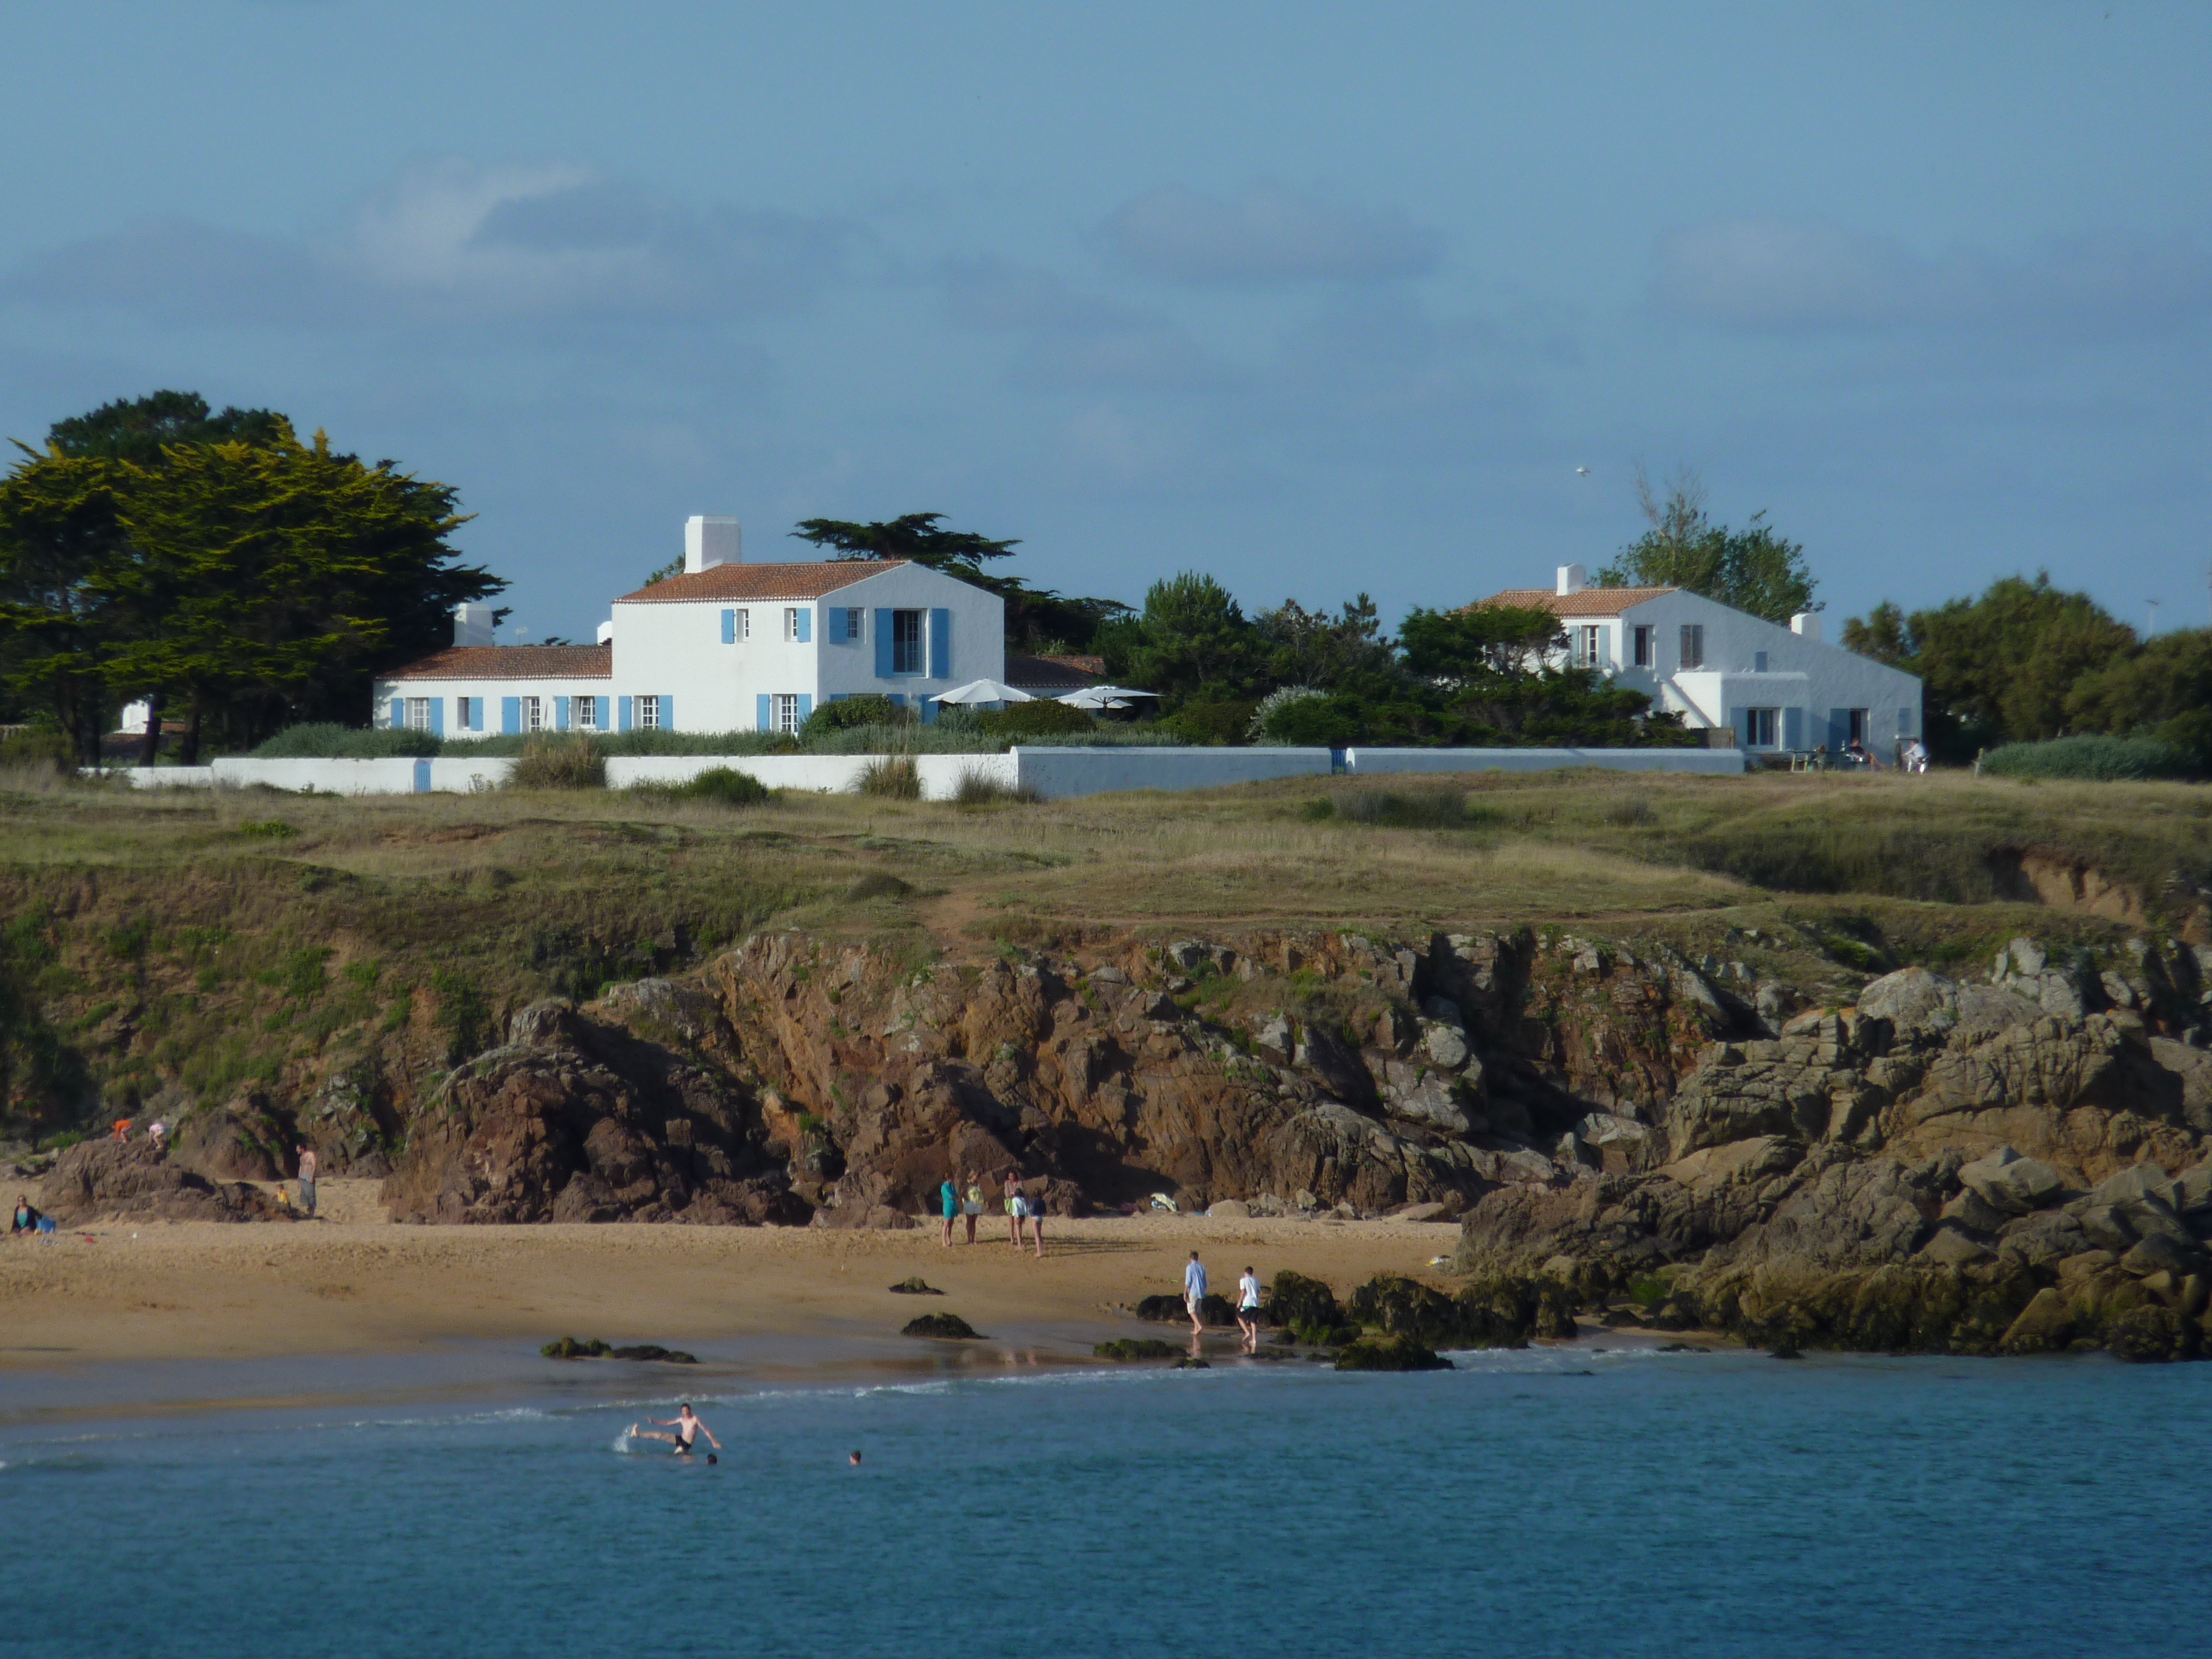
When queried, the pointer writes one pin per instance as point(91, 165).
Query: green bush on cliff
point(2088, 758)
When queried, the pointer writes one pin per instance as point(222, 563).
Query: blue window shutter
point(623, 713)
point(560, 714)
point(925, 710)
point(898, 699)
point(940, 645)
point(1742, 722)
point(837, 624)
point(729, 629)
point(667, 713)
point(510, 715)
point(421, 777)
point(805, 624)
point(767, 721)
point(806, 707)
point(882, 645)
point(1840, 730)
point(437, 717)
point(398, 713)
point(1793, 728)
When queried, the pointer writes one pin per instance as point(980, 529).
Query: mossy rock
point(1390, 1353)
point(949, 1326)
point(1326, 1336)
point(1293, 1299)
point(1134, 1347)
point(2152, 1334)
point(653, 1351)
point(567, 1347)
point(914, 1286)
point(1165, 1309)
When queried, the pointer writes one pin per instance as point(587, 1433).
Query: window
point(786, 712)
point(1857, 720)
point(736, 627)
point(1590, 648)
point(1642, 643)
point(793, 628)
point(649, 714)
point(856, 624)
point(1759, 662)
point(906, 642)
point(461, 705)
point(1758, 728)
point(418, 714)
point(1693, 645)
point(534, 714)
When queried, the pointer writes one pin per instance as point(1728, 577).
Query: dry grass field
point(219, 938)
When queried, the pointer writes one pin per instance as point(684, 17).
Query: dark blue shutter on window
point(882, 645)
point(940, 645)
point(437, 717)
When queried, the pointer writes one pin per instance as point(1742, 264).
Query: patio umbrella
point(982, 691)
point(1104, 697)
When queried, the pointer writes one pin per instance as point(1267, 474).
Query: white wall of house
point(719, 659)
point(1750, 663)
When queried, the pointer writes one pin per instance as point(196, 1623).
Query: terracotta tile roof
point(1590, 602)
point(1054, 673)
point(512, 662)
point(810, 580)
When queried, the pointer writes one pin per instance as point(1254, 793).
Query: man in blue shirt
point(1194, 1293)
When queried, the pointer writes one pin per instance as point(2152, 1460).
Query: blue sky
point(1319, 299)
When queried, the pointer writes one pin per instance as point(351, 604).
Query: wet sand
point(789, 1298)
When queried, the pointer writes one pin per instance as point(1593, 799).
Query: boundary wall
point(1057, 773)
point(1727, 762)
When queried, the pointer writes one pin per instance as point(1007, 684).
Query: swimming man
point(687, 1430)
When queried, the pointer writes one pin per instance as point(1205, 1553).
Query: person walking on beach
point(1248, 1310)
point(1036, 1207)
point(687, 1430)
point(307, 1180)
point(974, 1206)
point(1193, 1294)
point(1017, 1209)
point(948, 1195)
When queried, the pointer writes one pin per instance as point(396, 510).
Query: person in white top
point(1194, 1293)
point(1248, 1310)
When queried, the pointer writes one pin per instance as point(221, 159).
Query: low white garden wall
point(1058, 773)
point(834, 774)
point(442, 777)
point(1377, 762)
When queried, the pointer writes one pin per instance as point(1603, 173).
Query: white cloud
point(1267, 234)
point(1794, 274)
point(449, 241)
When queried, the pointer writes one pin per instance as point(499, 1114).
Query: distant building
point(726, 646)
point(1777, 688)
point(1055, 676)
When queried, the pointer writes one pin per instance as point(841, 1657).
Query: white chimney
point(1573, 578)
point(1806, 626)
point(472, 625)
point(708, 542)
point(606, 630)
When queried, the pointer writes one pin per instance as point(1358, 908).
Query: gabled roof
point(1589, 602)
point(810, 580)
point(1054, 674)
point(511, 662)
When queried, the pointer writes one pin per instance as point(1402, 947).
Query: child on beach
point(974, 1206)
point(949, 1196)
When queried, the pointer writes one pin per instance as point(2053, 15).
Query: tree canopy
point(916, 536)
point(252, 579)
point(1753, 570)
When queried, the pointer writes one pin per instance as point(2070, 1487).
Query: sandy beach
point(352, 1284)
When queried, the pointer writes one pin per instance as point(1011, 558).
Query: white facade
point(725, 646)
point(1779, 688)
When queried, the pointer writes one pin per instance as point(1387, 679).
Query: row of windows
point(848, 625)
point(1643, 647)
point(593, 713)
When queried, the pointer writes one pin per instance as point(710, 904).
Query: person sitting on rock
point(25, 1219)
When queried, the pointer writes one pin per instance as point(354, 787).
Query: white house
point(726, 646)
point(1778, 688)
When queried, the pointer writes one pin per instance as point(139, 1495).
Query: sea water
point(1550, 1502)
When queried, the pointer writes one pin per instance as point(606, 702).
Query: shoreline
point(798, 1301)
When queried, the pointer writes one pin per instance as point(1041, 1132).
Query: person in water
point(1248, 1310)
point(687, 1430)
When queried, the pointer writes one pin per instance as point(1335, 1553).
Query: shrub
point(1044, 718)
point(877, 884)
point(1415, 808)
point(1211, 723)
point(40, 746)
point(846, 713)
point(559, 763)
point(981, 789)
point(725, 787)
point(895, 775)
point(1303, 718)
point(2091, 758)
point(326, 740)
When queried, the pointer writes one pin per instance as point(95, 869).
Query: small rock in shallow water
point(914, 1286)
point(946, 1325)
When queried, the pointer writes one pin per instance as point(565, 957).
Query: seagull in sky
point(1582, 472)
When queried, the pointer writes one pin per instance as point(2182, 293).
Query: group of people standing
point(1024, 1215)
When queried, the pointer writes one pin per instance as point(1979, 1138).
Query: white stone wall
point(1378, 762)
